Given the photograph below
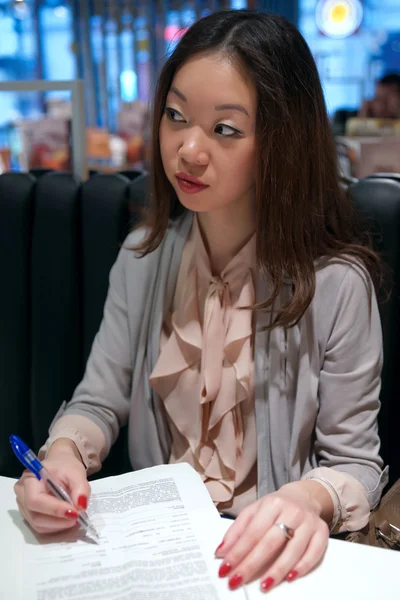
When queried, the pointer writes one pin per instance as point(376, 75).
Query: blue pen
point(31, 462)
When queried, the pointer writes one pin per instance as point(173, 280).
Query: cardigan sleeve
point(87, 436)
point(346, 433)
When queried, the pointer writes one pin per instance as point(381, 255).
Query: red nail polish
point(292, 575)
point(82, 502)
point(224, 569)
point(235, 581)
point(71, 514)
point(267, 584)
point(219, 547)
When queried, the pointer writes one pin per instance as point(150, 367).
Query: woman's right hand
point(43, 511)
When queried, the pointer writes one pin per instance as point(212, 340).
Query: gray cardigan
point(316, 384)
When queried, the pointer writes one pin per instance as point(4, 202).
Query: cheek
point(240, 167)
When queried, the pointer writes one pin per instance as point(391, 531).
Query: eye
point(226, 130)
point(173, 115)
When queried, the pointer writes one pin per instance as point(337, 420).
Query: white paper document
point(158, 531)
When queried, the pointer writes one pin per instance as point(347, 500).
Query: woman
point(241, 332)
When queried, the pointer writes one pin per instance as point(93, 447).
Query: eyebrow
point(238, 107)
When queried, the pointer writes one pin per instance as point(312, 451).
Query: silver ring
point(288, 531)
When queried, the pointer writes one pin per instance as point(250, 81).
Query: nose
point(193, 149)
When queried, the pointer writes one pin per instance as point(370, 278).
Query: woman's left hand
point(254, 546)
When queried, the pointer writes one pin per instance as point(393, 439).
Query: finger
point(290, 555)
point(313, 554)
point(43, 523)
point(264, 554)
point(21, 509)
point(20, 484)
point(79, 487)
point(49, 525)
point(36, 498)
point(74, 479)
point(48, 531)
point(46, 524)
point(268, 514)
point(19, 489)
point(236, 530)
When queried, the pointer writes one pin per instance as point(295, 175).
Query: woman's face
point(207, 135)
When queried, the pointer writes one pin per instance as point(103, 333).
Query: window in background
point(26, 55)
point(351, 54)
point(56, 39)
point(128, 77)
point(238, 4)
point(113, 70)
point(97, 56)
point(142, 52)
point(18, 59)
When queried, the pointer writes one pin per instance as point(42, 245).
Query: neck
point(225, 233)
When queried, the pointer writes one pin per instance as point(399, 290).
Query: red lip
point(189, 184)
point(190, 178)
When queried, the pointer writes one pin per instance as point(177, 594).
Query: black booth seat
point(377, 200)
point(58, 241)
point(16, 209)
point(55, 298)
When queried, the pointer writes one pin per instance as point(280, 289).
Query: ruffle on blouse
point(204, 371)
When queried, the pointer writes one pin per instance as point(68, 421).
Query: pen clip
point(25, 455)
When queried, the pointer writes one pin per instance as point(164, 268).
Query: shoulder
point(177, 229)
point(345, 306)
point(134, 239)
point(134, 268)
point(342, 276)
point(344, 302)
point(344, 297)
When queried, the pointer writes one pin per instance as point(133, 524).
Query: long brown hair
point(303, 214)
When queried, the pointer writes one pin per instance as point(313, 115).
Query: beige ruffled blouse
point(204, 373)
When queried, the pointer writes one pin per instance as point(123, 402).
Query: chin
point(193, 202)
point(196, 206)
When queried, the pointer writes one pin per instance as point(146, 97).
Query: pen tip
point(93, 533)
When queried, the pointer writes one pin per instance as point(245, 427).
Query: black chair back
point(56, 352)
point(58, 241)
point(16, 209)
point(377, 200)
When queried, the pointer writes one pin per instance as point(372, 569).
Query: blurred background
point(117, 47)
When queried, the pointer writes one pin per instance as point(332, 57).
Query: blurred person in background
point(386, 103)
